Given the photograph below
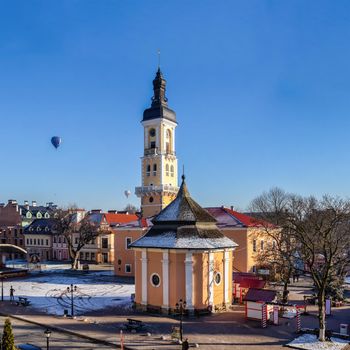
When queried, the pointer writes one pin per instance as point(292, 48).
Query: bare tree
point(320, 230)
point(131, 209)
point(280, 255)
point(77, 233)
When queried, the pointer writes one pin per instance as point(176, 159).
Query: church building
point(183, 256)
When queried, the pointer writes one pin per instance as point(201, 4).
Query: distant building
point(31, 212)
point(11, 231)
point(39, 238)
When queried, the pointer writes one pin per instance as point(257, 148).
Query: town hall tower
point(159, 162)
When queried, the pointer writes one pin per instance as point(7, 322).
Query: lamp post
point(181, 309)
point(71, 290)
point(47, 335)
point(2, 286)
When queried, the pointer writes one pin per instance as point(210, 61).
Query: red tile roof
point(114, 218)
point(246, 220)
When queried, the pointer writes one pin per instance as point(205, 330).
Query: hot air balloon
point(127, 193)
point(56, 141)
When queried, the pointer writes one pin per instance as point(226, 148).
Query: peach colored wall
point(126, 256)
point(219, 295)
point(138, 277)
point(176, 278)
point(240, 254)
point(198, 281)
point(154, 265)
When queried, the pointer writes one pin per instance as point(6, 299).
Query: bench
point(133, 324)
point(22, 301)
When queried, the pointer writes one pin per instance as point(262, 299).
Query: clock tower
point(159, 162)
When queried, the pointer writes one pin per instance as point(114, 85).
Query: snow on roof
point(184, 224)
point(170, 240)
point(184, 208)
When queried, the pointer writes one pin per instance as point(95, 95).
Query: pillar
point(226, 276)
point(144, 277)
point(211, 278)
point(165, 271)
point(189, 283)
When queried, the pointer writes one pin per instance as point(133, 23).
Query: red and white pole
point(298, 321)
point(264, 315)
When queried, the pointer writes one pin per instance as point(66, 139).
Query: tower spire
point(159, 84)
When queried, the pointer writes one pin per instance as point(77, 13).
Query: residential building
point(11, 231)
point(31, 212)
point(38, 239)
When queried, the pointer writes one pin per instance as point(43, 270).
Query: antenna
point(158, 52)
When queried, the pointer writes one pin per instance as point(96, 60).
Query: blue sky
point(261, 90)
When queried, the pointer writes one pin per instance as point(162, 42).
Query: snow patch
point(311, 342)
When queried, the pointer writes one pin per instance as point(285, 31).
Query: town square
point(174, 175)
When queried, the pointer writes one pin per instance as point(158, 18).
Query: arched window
point(154, 169)
point(167, 170)
point(168, 139)
point(148, 170)
point(152, 135)
point(172, 171)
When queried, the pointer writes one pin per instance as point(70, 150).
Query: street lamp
point(181, 309)
point(47, 335)
point(2, 286)
point(71, 290)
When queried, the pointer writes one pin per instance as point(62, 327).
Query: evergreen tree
point(8, 340)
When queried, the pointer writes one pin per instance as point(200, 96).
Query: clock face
point(152, 132)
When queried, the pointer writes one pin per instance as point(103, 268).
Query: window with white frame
point(128, 241)
point(127, 268)
point(154, 169)
point(167, 170)
point(148, 170)
point(172, 171)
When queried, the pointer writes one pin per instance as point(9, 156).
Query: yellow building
point(183, 256)
point(159, 162)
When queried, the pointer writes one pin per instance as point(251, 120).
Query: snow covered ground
point(310, 342)
point(48, 291)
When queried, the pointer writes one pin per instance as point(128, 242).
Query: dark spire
point(159, 84)
point(159, 107)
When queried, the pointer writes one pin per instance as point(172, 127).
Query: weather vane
point(158, 58)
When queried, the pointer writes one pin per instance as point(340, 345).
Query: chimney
point(112, 211)
point(232, 207)
point(12, 201)
point(33, 203)
point(2, 205)
point(26, 203)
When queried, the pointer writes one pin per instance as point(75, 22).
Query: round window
point(152, 132)
point(150, 199)
point(155, 280)
point(217, 278)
